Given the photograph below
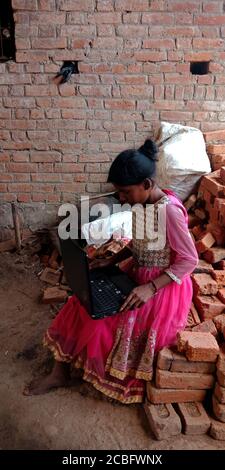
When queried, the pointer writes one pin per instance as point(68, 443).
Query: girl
point(116, 353)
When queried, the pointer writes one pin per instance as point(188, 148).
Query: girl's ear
point(147, 183)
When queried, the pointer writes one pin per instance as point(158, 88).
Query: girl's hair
point(134, 166)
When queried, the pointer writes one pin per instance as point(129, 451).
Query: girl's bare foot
point(59, 377)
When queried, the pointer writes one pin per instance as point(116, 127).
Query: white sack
point(182, 158)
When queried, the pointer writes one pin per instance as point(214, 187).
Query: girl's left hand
point(138, 296)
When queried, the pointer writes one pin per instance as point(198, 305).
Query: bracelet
point(154, 286)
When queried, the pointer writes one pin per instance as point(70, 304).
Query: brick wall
point(134, 62)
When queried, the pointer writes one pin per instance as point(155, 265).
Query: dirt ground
point(75, 418)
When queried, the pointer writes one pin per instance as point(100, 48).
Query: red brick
point(204, 243)
point(217, 161)
point(208, 306)
point(217, 430)
point(213, 184)
point(7, 245)
point(131, 5)
point(166, 395)
point(193, 318)
point(218, 409)
point(149, 56)
point(78, 5)
point(219, 235)
point(120, 104)
point(54, 294)
point(219, 277)
point(105, 18)
point(221, 359)
point(190, 202)
point(213, 255)
point(219, 393)
point(210, 20)
point(198, 231)
point(204, 284)
point(221, 376)
point(158, 44)
point(164, 421)
point(216, 149)
point(198, 56)
point(182, 380)
point(222, 174)
point(200, 213)
point(50, 276)
point(165, 358)
point(194, 418)
point(203, 267)
point(207, 326)
point(24, 5)
point(182, 364)
point(158, 18)
point(173, 361)
point(198, 346)
point(221, 295)
point(214, 135)
point(206, 43)
point(49, 43)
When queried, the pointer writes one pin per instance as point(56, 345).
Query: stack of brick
point(183, 376)
point(215, 144)
point(53, 275)
point(219, 390)
point(207, 226)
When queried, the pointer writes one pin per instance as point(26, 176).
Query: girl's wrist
point(153, 287)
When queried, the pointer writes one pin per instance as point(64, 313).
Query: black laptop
point(100, 291)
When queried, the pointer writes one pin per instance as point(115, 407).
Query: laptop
point(100, 291)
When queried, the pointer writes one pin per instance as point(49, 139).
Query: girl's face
point(133, 194)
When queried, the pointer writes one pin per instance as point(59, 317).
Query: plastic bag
point(182, 158)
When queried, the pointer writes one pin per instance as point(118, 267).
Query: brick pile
point(218, 399)
point(183, 376)
point(53, 271)
point(215, 144)
point(186, 375)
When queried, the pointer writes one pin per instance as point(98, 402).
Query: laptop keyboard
point(107, 297)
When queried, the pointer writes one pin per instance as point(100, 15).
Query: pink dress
point(116, 353)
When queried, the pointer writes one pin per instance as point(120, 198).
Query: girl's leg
point(59, 377)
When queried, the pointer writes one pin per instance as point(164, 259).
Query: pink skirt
point(116, 353)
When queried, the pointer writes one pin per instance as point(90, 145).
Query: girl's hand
point(100, 263)
point(138, 296)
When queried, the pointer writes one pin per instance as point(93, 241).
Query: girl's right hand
point(100, 263)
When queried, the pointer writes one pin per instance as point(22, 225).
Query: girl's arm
point(180, 240)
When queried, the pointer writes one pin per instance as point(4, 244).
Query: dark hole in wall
point(7, 32)
point(199, 68)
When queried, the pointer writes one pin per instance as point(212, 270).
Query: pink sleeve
point(185, 254)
